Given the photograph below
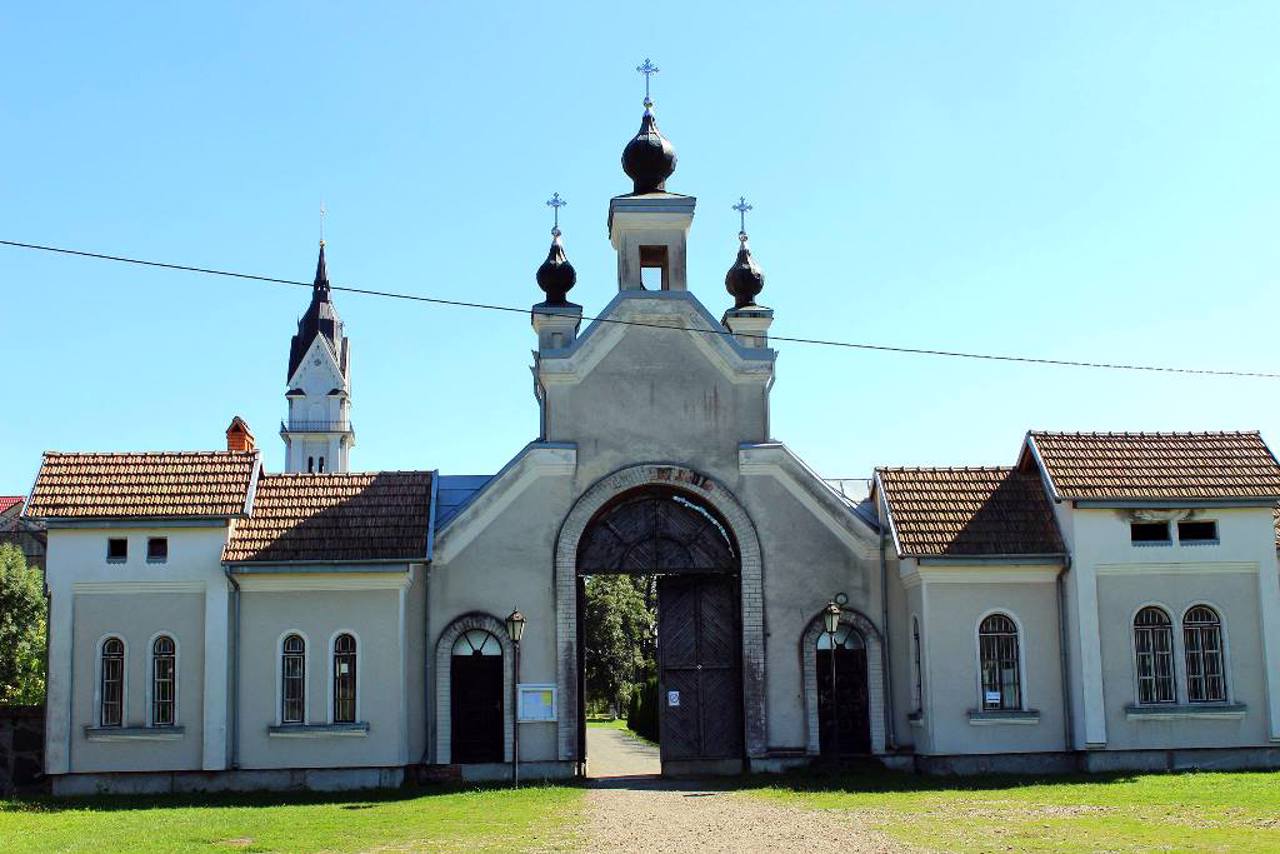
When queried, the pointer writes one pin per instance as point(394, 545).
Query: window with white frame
point(917, 679)
point(998, 660)
point(111, 688)
point(164, 681)
point(1202, 642)
point(293, 680)
point(1153, 648)
point(344, 679)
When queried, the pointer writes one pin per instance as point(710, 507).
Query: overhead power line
point(849, 345)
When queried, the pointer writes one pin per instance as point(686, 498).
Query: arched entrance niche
point(856, 632)
point(467, 635)
point(681, 541)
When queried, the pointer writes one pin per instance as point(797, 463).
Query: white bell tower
point(317, 434)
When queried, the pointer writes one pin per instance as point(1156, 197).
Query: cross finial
point(322, 213)
point(556, 203)
point(648, 69)
point(742, 207)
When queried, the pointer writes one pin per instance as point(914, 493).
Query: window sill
point(1185, 711)
point(356, 730)
point(134, 733)
point(996, 717)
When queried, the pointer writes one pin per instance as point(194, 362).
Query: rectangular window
point(1198, 532)
point(1149, 533)
point(157, 549)
point(117, 549)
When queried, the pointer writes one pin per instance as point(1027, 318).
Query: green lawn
point(535, 818)
point(621, 726)
point(1140, 812)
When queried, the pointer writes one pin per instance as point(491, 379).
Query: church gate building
point(1107, 601)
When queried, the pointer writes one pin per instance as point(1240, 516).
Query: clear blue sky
point(1080, 180)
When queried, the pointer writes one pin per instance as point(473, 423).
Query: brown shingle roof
point(156, 484)
point(335, 517)
point(969, 512)
point(1162, 466)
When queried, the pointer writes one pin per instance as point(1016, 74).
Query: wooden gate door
point(844, 727)
point(699, 691)
point(476, 719)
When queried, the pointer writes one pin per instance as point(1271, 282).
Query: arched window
point(164, 681)
point(311, 464)
point(477, 642)
point(321, 469)
point(1202, 638)
point(293, 680)
point(344, 679)
point(111, 704)
point(917, 679)
point(998, 659)
point(1153, 646)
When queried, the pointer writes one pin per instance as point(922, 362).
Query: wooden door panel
point(679, 735)
point(476, 716)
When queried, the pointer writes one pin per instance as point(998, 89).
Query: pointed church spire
point(320, 288)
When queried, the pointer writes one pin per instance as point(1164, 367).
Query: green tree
point(617, 637)
point(22, 629)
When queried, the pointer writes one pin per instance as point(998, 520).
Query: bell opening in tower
point(655, 268)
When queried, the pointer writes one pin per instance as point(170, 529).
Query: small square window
point(117, 549)
point(157, 549)
point(1149, 533)
point(1198, 532)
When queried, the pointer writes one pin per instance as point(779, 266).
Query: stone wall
point(21, 747)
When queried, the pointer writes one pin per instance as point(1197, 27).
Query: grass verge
point(621, 726)
point(534, 818)
point(1194, 811)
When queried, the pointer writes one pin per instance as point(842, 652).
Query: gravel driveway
point(641, 814)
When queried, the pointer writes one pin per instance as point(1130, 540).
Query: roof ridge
point(913, 469)
point(1142, 434)
point(217, 452)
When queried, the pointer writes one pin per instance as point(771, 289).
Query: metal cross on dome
point(556, 203)
point(742, 207)
point(648, 69)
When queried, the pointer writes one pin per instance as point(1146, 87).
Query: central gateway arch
point(687, 529)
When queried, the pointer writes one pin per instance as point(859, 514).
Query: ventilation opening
point(655, 268)
point(1198, 532)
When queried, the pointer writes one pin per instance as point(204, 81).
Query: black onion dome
point(556, 276)
point(649, 158)
point(745, 279)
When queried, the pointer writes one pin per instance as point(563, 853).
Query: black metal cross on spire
point(742, 207)
point(556, 203)
point(648, 69)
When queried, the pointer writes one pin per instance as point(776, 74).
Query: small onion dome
point(649, 158)
point(745, 279)
point(556, 276)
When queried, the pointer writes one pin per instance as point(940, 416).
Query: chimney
point(239, 436)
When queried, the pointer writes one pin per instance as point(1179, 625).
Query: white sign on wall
point(537, 701)
point(673, 698)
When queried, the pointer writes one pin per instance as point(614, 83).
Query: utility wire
point(851, 345)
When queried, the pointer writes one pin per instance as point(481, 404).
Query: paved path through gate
point(634, 810)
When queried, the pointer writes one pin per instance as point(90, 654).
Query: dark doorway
point(844, 719)
point(698, 661)
point(476, 698)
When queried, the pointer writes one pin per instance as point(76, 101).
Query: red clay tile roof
point(969, 512)
point(158, 484)
point(7, 502)
point(335, 517)
point(1161, 466)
